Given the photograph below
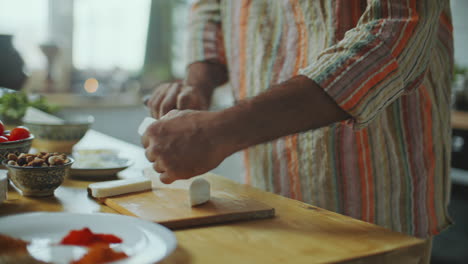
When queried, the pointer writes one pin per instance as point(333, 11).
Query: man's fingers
point(170, 115)
point(167, 177)
point(186, 100)
point(150, 154)
point(156, 107)
point(158, 96)
point(158, 167)
point(183, 101)
point(170, 100)
point(145, 140)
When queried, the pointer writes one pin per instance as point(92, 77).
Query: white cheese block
point(3, 185)
point(145, 124)
point(117, 187)
point(199, 191)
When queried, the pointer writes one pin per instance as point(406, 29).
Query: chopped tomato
point(85, 237)
point(19, 133)
point(3, 139)
point(2, 128)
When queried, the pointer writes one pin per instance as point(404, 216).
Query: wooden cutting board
point(168, 205)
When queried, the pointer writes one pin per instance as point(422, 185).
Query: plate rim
point(128, 164)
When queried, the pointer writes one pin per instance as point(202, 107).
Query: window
point(27, 21)
point(110, 34)
point(104, 39)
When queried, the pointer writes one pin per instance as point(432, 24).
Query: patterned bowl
point(59, 137)
point(38, 181)
point(17, 147)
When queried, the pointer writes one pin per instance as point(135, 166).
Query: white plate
point(102, 172)
point(105, 164)
point(143, 241)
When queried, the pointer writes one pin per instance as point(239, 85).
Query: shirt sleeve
point(384, 56)
point(205, 33)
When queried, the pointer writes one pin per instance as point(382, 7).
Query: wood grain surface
point(299, 233)
point(169, 205)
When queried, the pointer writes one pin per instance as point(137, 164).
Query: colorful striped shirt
point(388, 63)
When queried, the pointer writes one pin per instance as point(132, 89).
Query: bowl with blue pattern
point(38, 181)
point(16, 147)
point(59, 136)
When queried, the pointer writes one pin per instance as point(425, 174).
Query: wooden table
point(300, 233)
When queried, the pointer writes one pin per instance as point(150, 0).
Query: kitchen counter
point(299, 233)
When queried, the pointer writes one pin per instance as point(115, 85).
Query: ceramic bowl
point(17, 147)
point(38, 181)
point(59, 137)
point(3, 185)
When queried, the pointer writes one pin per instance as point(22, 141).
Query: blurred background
point(97, 57)
point(100, 57)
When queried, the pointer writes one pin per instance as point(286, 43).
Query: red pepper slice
point(85, 237)
point(107, 238)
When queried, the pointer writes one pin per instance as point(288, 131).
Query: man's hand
point(170, 96)
point(184, 144)
point(194, 93)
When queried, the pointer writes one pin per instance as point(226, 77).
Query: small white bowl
point(3, 185)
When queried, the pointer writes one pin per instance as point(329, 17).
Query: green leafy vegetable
point(13, 106)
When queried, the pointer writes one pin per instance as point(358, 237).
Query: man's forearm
point(291, 107)
point(206, 76)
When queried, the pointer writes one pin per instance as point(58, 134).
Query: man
point(344, 104)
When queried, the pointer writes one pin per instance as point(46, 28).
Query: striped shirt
point(387, 63)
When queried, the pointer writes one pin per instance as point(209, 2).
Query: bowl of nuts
point(39, 174)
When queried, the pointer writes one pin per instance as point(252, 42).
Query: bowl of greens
point(13, 106)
